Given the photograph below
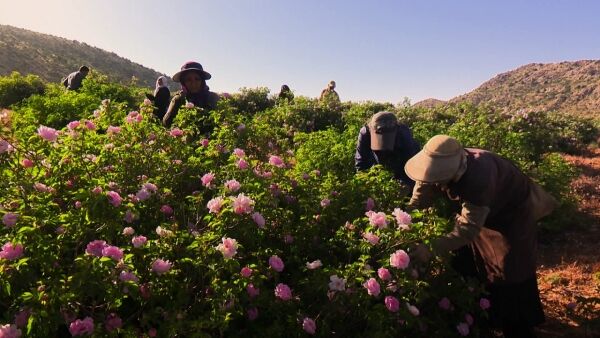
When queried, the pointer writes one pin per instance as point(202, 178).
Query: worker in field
point(388, 142)
point(74, 80)
point(495, 232)
point(329, 95)
point(161, 97)
point(285, 94)
point(193, 90)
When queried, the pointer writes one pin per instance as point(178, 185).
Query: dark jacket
point(73, 80)
point(405, 148)
point(162, 97)
point(207, 101)
point(500, 208)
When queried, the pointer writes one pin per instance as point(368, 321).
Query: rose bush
point(228, 224)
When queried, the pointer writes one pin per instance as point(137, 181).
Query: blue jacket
point(405, 148)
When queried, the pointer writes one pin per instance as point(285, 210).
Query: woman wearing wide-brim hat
point(495, 232)
point(193, 89)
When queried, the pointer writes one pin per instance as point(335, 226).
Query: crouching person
point(495, 230)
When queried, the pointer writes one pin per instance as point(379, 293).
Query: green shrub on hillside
point(14, 88)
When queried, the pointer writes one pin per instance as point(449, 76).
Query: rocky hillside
point(52, 58)
point(570, 87)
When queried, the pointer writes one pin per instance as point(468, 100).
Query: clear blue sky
point(378, 50)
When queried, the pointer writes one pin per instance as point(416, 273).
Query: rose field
point(245, 221)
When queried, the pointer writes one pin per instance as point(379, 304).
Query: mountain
point(52, 58)
point(429, 103)
point(570, 87)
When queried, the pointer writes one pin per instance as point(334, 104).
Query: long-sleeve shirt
point(73, 80)
point(405, 147)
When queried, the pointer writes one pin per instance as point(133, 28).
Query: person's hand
point(421, 253)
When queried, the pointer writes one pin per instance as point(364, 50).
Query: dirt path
point(569, 273)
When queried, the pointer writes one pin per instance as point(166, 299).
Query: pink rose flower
point(242, 204)
point(242, 164)
point(126, 276)
point(309, 326)
point(41, 187)
point(150, 187)
point(22, 317)
point(5, 146)
point(372, 287)
point(207, 179)
point(113, 322)
point(111, 130)
point(27, 163)
point(258, 219)
point(276, 161)
point(11, 251)
point(283, 292)
point(113, 252)
point(114, 198)
point(166, 209)
point(160, 266)
point(399, 259)
point(138, 241)
point(314, 264)
point(73, 125)
point(276, 263)
point(239, 153)
point(77, 204)
point(90, 125)
point(246, 272)
point(228, 247)
point(377, 219)
point(252, 290)
point(392, 303)
point(402, 218)
point(176, 132)
point(10, 219)
point(325, 202)
point(143, 194)
point(371, 238)
point(336, 283)
point(129, 216)
point(82, 327)
point(95, 248)
point(9, 331)
point(47, 133)
point(412, 309)
point(204, 142)
point(232, 185)
point(370, 204)
point(214, 205)
point(252, 313)
point(463, 329)
point(128, 231)
point(384, 274)
point(97, 190)
point(484, 303)
point(134, 117)
point(444, 303)
point(469, 319)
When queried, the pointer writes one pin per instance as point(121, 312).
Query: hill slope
point(570, 87)
point(52, 58)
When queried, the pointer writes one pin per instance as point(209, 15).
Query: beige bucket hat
point(438, 161)
point(382, 128)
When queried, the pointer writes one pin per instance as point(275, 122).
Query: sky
point(374, 50)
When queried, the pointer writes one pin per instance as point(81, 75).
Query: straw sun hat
point(438, 161)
